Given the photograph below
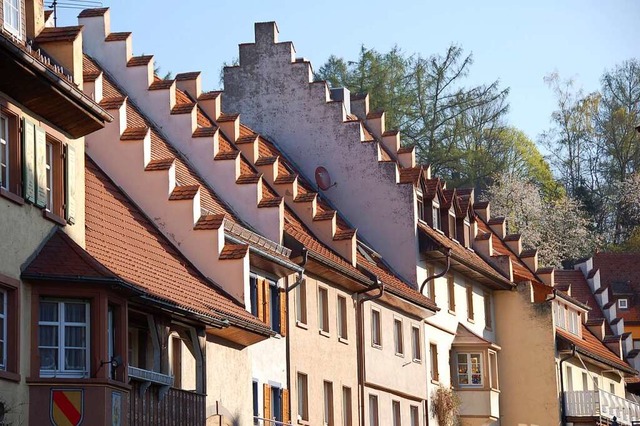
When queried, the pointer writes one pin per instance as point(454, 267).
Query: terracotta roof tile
point(90, 76)
point(138, 61)
point(161, 84)
point(247, 138)
point(123, 239)
point(285, 179)
point(47, 14)
point(227, 117)
point(270, 202)
point(580, 291)
point(59, 34)
point(621, 268)
point(234, 251)
point(410, 174)
point(230, 155)
point(118, 36)
point(186, 192)
point(375, 114)
point(209, 95)
point(210, 221)
point(90, 13)
point(205, 132)
point(183, 108)
point(187, 75)
point(265, 161)
point(112, 102)
point(512, 237)
point(406, 149)
point(248, 179)
point(160, 164)
point(589, 345)
point(134, 133)
point(326, 215)
point(344, 234)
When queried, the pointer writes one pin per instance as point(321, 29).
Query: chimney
point(34, 14)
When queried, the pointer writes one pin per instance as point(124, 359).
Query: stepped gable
point(296, 229)
point(590, 346)
point(520, 271)
point(621, 268)
point(122, 238)
point(192, 123)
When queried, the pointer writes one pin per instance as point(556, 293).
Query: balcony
point(176, 406)
point(602, 404)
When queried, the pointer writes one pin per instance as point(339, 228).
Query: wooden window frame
point(416, 342)
point(374, 415)
point(453, 234)
point(323, 310)
point(376, 329)
point(470, 310)
point(61, 324)
point(435, 215)
point(11, 288)
point(396, 412)
point(469, 373)
point(342, 319)
point(488, 316)
point(398, 336)
point(255, 403)
point(328, 411)
point(414, 415)
point(451, 293)
point(420, 206)
point(56, 166)
point(301, 303)
point(433, 359)
point(347, 406)
point(492, 362)
point(13, 189)
point(302, 384)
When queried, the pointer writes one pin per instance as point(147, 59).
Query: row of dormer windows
point(458, 229)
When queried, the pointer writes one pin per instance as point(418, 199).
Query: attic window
point(467, 233)
point(13, 17)
point(420, 203)
point(452, 225)
point(435, 215)
point(623, 303)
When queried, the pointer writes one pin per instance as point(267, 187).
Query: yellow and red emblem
point(67, 406)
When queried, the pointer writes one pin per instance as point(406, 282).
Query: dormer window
point(623, 303)
point(420, 202)
point(568, 319)
point(12, 17)
point(467, 233)
point(452, 225)
point(435, 215)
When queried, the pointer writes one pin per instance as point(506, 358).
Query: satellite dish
point(323, 179)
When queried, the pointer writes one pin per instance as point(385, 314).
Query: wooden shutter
point(41, 167)
point(267, 302)
point(283, 312)
point(28, 161)
point(286, 411)
point(260, 293)
point(70, 184)
point(266, 396)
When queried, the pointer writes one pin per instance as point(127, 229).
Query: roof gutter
point(204, 318)
point(289, 265)
point(86, 280)
point(76, 95)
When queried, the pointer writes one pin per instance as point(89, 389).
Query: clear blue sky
point(513, 41)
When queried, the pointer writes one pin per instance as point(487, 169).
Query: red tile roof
point(59, 34)
point(590, 346)
point(123, 239)
point(89, 13)
point(580, 290)
point(118, 36)
point(621, 268)
point(137, 61)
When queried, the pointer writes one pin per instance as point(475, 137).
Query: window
point(323, 309)
point(452, 225)
point(176, 361)
point(301, 302)
point(63, 338)
point(415, 416)
point(342, 317)
point(328, 404)
point(415, 344)
point(488, 322)
point(4, 152)
point(3, 330)
point(395, 408)
point(435, 215)
point(612, 388)
point(573, 321)
point(274, 306)
point(420, 202)
point(347, 413)
point(585, 382)
point(253, 293)
point(376, 336)
point(256, 413)
point(13, 17)
point(469, 369)
point(276, 404)
point(569, 378)
point(303, 397)
point(433, 352)
point(596, 383)
point(397, 336)
point(622, 303)
point(49, 171)
point(560, 316)
point(470, 303)
point(467, 233)
point(451, 289)
point(493, 370)
point(373, 411)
